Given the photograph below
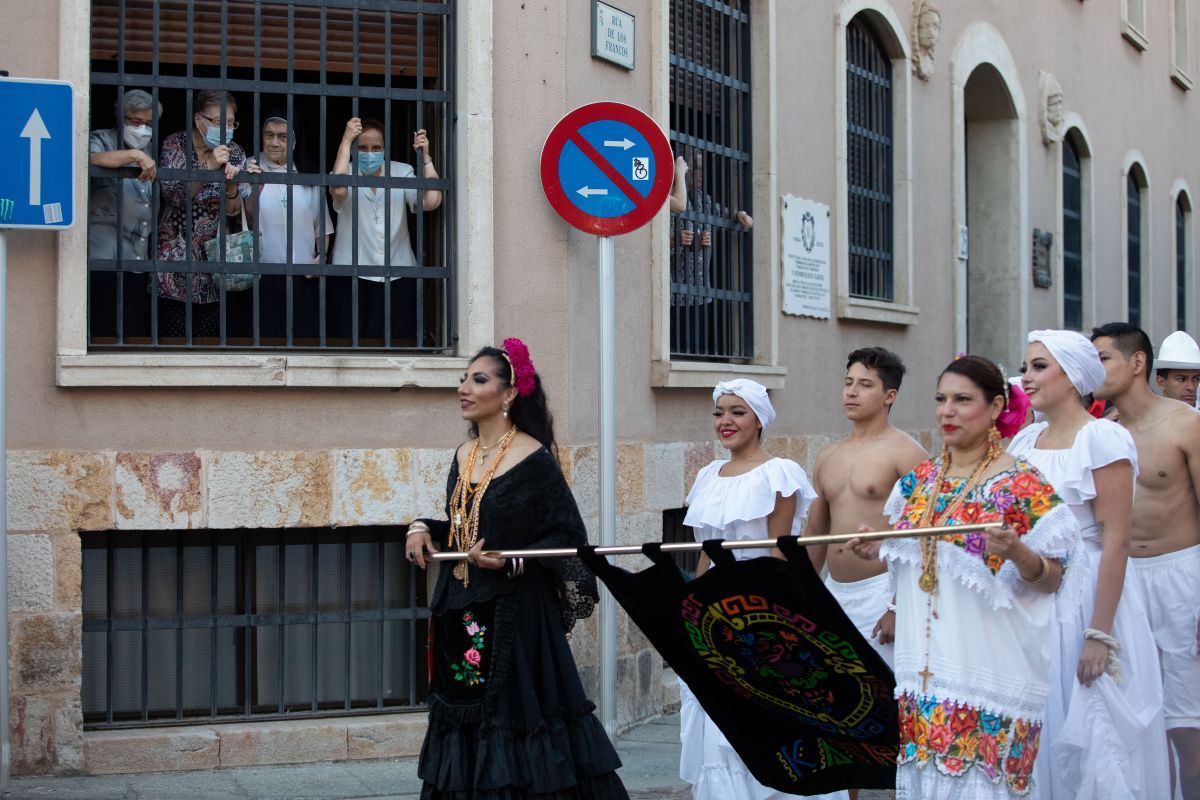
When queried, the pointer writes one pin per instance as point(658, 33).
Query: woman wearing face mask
point(273, 204)
point(368, 227)
point(750, 495)
point(126, 145)
point(207, 200)
point(1105, 735)
point(508, 717)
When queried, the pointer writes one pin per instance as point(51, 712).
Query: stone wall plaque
point(612, 34)
point(805, 255)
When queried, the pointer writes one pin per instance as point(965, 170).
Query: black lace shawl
point(529, 506)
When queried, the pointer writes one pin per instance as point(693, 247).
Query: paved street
point(650, 753)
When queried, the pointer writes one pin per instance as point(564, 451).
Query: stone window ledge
point(252, 744)
point(1135, 37)
point(858, 308)
point(706, 374)
point(1181, 78)
point(258, 370)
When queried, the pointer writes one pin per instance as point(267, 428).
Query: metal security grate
point(1133, 248)
point(317, 63)
point(218, 625)
point(869, 162)
point(712, 312)
point(1072, 178)
point(1181, 259)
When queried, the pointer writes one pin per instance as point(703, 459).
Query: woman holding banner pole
point(508, 717)
point(974, 611)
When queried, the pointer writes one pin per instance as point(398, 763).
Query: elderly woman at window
point(211, 149)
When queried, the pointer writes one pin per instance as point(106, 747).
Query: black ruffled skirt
point(508, 718)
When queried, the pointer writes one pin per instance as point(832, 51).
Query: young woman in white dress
point(750, 495)
point(1104, 735)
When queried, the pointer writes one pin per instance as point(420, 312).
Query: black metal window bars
point(1072, 247)
point(197, 627)
point(1133, 248)
point(323, 61)
point(869, 163)
point(712, 313)
point(1182, 212)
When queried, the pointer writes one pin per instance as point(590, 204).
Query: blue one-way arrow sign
point(36, 132)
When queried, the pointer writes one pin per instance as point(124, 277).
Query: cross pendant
point(925, 676)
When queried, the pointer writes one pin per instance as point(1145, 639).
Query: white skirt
point(712, 766)
point(1107, 740)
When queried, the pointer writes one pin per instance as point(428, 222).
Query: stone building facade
point(154, 440)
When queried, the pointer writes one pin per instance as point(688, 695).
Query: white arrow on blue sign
point(600, 192)
point(36, 131)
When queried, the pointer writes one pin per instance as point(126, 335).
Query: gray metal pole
point(5, 749)
point(607, 301)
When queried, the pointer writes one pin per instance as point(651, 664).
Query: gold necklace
point(466, 500)
point(483, 448)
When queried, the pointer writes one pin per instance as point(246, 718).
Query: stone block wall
point(55, 495)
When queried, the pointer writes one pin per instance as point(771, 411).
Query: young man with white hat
point(1177, 369)
point(1165, 541)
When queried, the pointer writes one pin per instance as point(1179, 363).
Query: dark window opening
point(1181, 262)
point(1072, 248)
point(675, 531)
point(194, 627)
point(316, 64)
point(1133, 248)
point(869, 163)
point(711, 311)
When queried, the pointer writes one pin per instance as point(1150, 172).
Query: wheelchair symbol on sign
point(641, 169)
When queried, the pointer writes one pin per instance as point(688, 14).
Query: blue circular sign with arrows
point(606, 168)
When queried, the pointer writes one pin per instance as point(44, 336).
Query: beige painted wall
point(544, 271)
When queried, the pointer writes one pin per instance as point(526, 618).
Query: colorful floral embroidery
point(957, 737)
point(468, 669)
point(1019, 497)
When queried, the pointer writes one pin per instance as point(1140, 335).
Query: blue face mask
point(212, 136)
point(369, 163)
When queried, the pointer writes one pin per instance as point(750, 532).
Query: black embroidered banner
point(774, 661)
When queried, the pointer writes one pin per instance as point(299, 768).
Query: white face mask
point(137, 136)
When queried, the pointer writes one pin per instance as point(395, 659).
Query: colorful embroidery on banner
point(956, 738)
point(1018, 498)
point(468, 669)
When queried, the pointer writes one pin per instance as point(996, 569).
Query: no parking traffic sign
point(606, 168)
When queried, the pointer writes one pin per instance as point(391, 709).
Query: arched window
point(1134, 184)
point(1183, 210)
point(1072, 245)
point(869, 163)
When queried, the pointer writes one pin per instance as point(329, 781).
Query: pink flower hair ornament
point(1013, 416)
point(523, 373)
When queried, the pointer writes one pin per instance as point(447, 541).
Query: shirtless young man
point(1165, 545)
point(853, 479)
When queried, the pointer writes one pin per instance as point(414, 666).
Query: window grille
point(317, 63)
point(220, 625)
point(712, 312)
point(1181, 259)
point(1133, 248)
point(1072, 178)
point(869, 163)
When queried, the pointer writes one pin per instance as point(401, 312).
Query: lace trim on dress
point(718, 502)
point(978, 689)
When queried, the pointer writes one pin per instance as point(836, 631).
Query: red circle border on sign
point(646, 207)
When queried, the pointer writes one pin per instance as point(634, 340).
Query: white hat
point(1178, 351)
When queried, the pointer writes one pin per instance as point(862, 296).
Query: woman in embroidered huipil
point(974, 610)
point(508, 717)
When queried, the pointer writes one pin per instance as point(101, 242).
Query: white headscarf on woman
point(1075, 353)
point(755, 395)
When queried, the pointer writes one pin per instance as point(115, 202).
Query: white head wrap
point(755, 395)
point(1075, 353)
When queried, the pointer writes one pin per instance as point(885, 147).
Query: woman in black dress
point(508, 717)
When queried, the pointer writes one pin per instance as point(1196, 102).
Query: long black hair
point(531, 413)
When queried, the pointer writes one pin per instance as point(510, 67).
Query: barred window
point(1133, 247)
point(869, 162)
point(340, 242)
point(1183, 212)
point(220, 625)
point(711, 249)
point(1072, 247)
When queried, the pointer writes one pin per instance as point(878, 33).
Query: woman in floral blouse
point(974, 610)
point(210, 151)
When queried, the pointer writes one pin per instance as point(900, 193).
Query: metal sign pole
point(5, 750)
point(607, 302)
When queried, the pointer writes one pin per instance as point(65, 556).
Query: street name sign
point(606, 168)
point(36, 133)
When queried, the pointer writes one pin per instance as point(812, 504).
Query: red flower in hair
point(522, 367)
